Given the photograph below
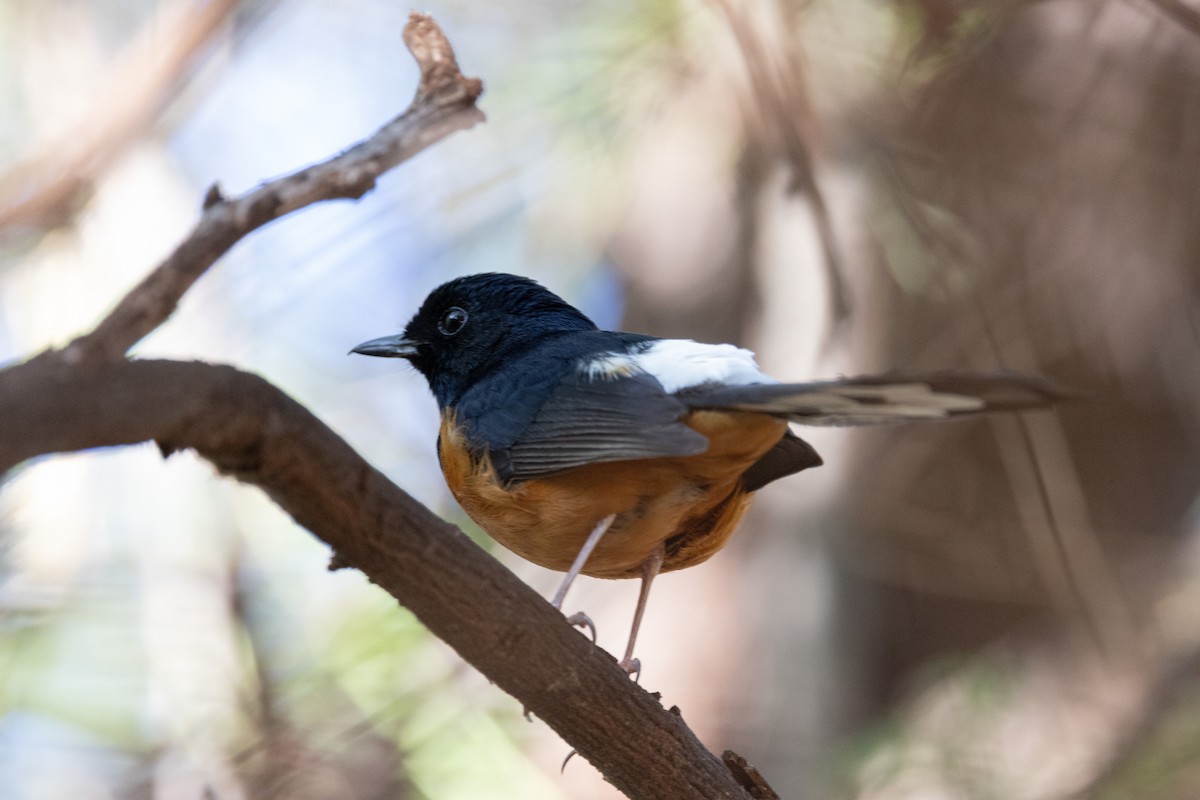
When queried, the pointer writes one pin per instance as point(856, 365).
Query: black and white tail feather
point(880, 399)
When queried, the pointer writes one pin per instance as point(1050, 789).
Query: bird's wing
point(894, 397)
point(590, 419)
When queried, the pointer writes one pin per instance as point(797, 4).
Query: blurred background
point(998, 608)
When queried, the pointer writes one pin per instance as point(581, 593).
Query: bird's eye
point(452, 321)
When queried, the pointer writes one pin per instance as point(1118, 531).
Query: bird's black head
point(470, 325)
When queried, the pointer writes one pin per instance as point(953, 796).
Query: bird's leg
point(579, 618)
point(650, 568)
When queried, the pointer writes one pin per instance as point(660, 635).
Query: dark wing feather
point(589, 421)
point(894, 397)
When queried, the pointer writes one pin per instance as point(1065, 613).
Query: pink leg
point(580, 619)
point(650, 568)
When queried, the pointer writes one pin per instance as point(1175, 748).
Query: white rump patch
point(681, 363)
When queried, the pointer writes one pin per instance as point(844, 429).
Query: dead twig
point(444, 103)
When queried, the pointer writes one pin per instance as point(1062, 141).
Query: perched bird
point(620, 455)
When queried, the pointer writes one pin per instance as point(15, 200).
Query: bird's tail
point(893, 397)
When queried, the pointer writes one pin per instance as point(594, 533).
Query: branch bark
point(89, 395)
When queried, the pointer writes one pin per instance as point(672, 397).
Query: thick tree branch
point(252, 431)
point(444, 103)
point(89, 395)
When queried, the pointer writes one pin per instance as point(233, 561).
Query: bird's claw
point(582, 620)
point(633, 668)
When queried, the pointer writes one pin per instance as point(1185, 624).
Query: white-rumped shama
point(621, 455)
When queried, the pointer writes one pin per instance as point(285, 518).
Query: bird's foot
point(632, 667)
point(582, 620)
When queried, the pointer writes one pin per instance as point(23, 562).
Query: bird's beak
point(388, 347)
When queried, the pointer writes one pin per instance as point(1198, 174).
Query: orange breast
point(690, 504)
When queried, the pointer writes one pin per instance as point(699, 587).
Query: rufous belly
point(689, 505)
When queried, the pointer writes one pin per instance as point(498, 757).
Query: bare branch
point(252, 431)
point(444, 103)
point(749, 776)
